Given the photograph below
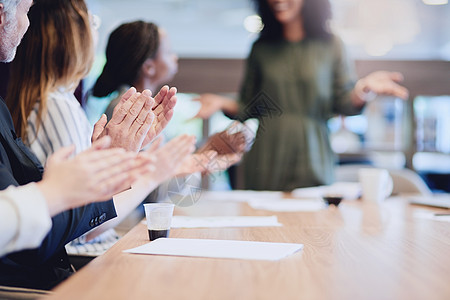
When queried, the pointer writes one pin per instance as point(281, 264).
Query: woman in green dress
point(297, 77)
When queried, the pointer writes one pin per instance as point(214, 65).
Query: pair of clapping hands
point(138, 119)
point(115, 161)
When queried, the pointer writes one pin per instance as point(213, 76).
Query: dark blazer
point(47, 265)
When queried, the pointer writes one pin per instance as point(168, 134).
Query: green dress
point(294, 88)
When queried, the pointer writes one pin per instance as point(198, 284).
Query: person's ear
point(149, 68)
point(2, 15)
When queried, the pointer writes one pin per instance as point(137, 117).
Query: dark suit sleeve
point(73, 223)
point(67, 225)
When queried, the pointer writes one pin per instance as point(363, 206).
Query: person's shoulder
point(263, 46)
point(334, 42)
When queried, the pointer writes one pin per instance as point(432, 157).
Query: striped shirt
point(64, 124)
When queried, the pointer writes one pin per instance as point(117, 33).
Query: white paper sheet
point(222, 221)
point(217, 249)
point(289, 205)
point(240, 195)
point(432, 216)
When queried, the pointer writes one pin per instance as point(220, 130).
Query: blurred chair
point(408, 181)
point(405, 180)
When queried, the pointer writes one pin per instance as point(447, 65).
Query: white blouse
point(64, 124)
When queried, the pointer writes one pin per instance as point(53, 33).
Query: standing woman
point(301, 69)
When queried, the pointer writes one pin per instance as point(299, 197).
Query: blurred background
point(213, 37)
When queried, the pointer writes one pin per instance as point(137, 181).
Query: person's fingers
point(167, 103)
point(136, 108)
point(114, 184)
point(143, 130)
point(114, 165)
point(102, 159)
point(60, 155)
point(161, 95)
point(161, 121)
point(155, 144)
point(131, 91)
point(102, 143)
point(122, 112)
point(99, 127)
point(397, 76)
point(141, 118)
point(184, 147)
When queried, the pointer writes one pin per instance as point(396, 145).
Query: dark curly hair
point(315, 14)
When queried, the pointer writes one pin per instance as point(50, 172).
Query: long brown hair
point(56, 51)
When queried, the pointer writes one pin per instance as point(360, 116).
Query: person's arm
point(212, 103)
point(94, 175)
point(350, 95)
point(165, 162)
point(24, 218)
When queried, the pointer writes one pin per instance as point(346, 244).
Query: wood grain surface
point(356, 251)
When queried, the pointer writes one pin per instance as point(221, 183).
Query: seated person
point(47, 265)
point(26, 211)
point(150, 64)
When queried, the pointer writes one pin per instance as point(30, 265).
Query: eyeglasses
point(95, 21)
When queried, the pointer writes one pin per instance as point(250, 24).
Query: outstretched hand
point(383, 83)
point(210, 104)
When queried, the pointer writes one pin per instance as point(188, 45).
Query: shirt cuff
point(34, 220)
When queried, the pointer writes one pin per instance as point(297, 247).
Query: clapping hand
point(163, 162)
point(165, 101)
point(130, 123)
point(138, 118)
point(93, 175)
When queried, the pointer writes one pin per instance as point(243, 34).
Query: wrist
point(55, 204)
point(363, 92)
point(229, 105)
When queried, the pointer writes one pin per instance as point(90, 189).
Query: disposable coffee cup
point(159, 219)
point(376, 184)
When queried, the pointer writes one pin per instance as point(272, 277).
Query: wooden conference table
point(356, 251)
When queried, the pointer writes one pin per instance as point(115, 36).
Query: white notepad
point(223, 221)
point(289, 205)
point(218, 249)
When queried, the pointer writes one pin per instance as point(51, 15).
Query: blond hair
point(57, 51)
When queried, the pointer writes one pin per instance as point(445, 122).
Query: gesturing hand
point(94, 175)
point(210, 104)
point(130, 123)
point(383, 83)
